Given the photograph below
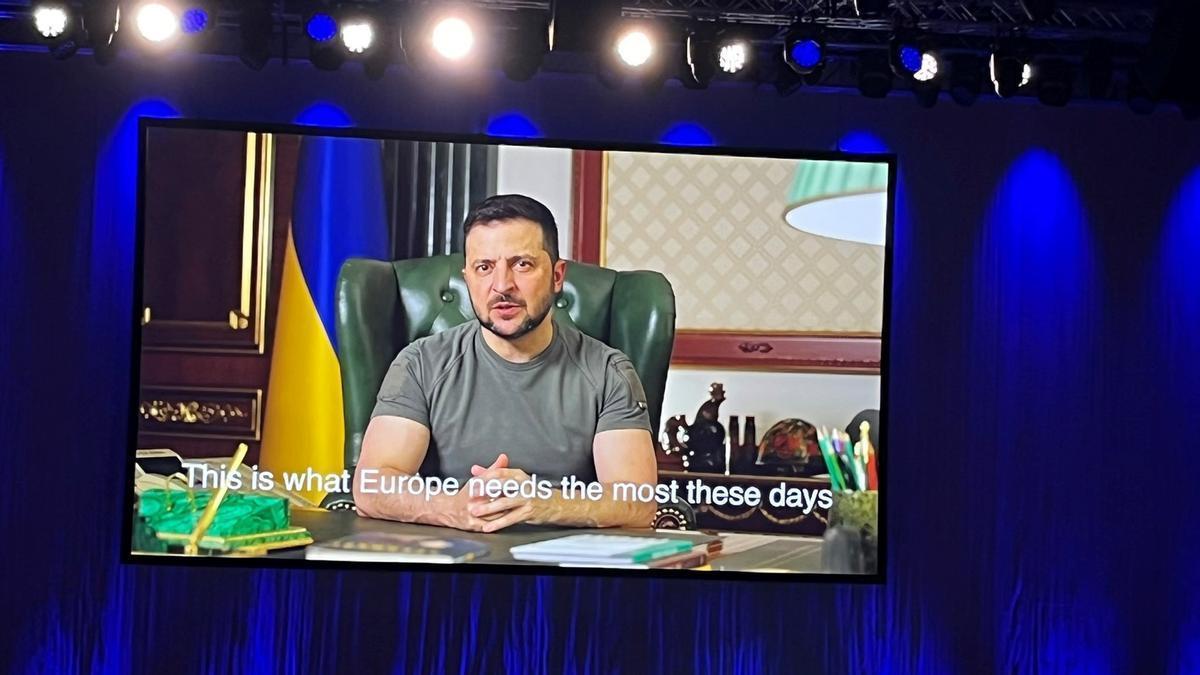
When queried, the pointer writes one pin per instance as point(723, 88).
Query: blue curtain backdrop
point(1044, 364)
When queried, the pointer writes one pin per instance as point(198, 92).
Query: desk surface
point(741, 552)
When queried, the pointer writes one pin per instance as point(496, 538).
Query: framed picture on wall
point(777, 264)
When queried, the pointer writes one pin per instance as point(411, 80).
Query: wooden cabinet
point(217, 205)
point(208, 217)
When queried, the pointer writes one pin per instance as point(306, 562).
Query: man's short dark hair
point(509, 207)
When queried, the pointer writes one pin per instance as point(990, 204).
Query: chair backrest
point(383, 306)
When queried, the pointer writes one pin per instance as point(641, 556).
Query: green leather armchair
point(383, 306)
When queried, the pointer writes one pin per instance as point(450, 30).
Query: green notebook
point(243, 520)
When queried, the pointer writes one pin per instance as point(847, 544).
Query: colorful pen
point(836, 482)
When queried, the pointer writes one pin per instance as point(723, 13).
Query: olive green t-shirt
point(543, 413)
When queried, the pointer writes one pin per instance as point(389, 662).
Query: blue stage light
point(321, 27)
point(804, 49)
point(913, 57)
point(513, 125)
point(688, 134)
point(910, 58)
point(806, 53)
point(194, 20)
point(324, 114)
point(862, 142)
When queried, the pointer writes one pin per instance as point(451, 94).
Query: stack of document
point(611, 550)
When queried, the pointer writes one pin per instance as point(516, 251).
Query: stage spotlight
point(321, 27)
point(1009, 71)
point(804, 49)
point(634, 56)
point(1055, 82)
point(256, 26)
point(966, 78)
point(453, 38)
point(709, 50)
point(50, 21)
point(324, 51)
point(910, 58)
point(699, 55)
point(874, 76)
point(634, 47)
point(156, 22)
point(358, 35)
point(527, 45)
point(581, 25)
point(929, 68)
point(361, 34)
point(732, 57)
point(101, 22)
point(734, 51)
point(59, 28)
point(194, 20)
point(699, 45)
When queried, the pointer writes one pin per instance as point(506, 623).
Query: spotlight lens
point(51, 22)
point(929, 68)
point(911, 58)
point(321, 27)
point(635, 48)
point(732, 57)
point(806, 53)
point(358, 37)
point(453, 38)
point(194, 20)
point(156, 22)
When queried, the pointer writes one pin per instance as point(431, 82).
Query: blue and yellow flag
point(338, 213)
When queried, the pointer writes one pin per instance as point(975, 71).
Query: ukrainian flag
point(338, 213)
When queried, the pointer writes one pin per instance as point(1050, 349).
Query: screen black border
point(267, 562)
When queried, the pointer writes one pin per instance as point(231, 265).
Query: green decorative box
point(241, 521)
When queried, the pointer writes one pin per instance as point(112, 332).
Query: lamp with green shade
point(840, 200)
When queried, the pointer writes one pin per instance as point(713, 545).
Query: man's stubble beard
point(527, 326)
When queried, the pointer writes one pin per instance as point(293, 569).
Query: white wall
point(819, 398)
point(545, 175)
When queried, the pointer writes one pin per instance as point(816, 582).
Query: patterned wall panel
point(714, 226)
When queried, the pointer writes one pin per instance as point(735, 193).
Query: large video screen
point(512, 355)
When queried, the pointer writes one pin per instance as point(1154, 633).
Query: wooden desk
point(743, 552)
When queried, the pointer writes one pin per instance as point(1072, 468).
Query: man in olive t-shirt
point(513, 394)
point(544, 412)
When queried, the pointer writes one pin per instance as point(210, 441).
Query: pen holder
point(852, 537)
